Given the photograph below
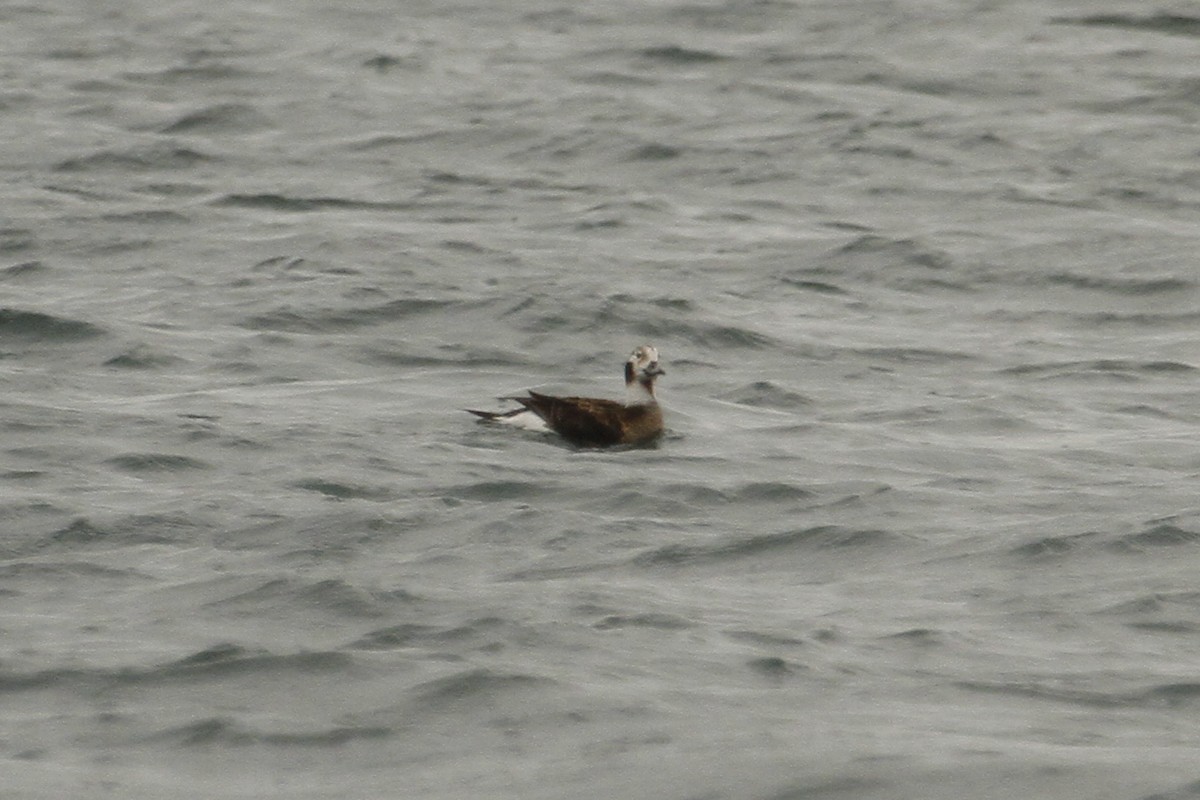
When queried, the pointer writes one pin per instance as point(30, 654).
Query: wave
point(456, 355)
point(1173, 97)
point(220, 118)
point(1117, 368)
point(905, 264)
point(485, 491)
point(775, 667)
point(655, 151)
point(50, 570)
point(411, 634)
point(203, 74)
point(660, 318)
point(1172, 613)
point(1166, 694)
point(1145, 410)
point(1054, 545)
point(476, 686)
point(227, 731)
point(766, 394)
point(657, 621)
point(1179, 627)
point(707, 335)
point(913, 355)
point(296, 204)
point(1038, 691)
point(226, 660)
point(804, 281)
point(1160, 535)
point(331, 595)
point(218, 662)
point(676, 54)
point(919, 637)
point(904, 251)
point(765, 639)
point(819, 537)
point(21, 270)
point(1161, 22)
point(143, 357)
point(384, 63)
point(16, 240)
point(35, 326)
point(345, 491)
point(147, 216)
point(1139, 319)
point(147, 157)
point(333, 320)
point(318, 535)
point(771, 491)
point(79, 531)
point(1188, 791)
point(695, 495)
point(144, 463)
point(1156, 602)
point(135, 529)
point(1132, 287)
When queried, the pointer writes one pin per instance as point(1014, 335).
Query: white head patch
point(643, 367)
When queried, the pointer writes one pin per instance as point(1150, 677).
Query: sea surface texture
point(925, 277)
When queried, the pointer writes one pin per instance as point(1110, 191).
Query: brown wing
point(593, 422)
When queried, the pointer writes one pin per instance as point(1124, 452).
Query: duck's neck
point(639, 392)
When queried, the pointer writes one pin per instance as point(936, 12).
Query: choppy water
point(924, 279)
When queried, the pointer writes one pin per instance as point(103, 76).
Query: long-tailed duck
point(595, 422)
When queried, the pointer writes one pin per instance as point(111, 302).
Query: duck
point(594, 421)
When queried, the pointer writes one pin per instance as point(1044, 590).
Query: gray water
point(923, 276)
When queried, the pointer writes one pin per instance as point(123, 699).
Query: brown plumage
point(595, 422)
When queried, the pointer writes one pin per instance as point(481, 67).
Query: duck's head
point(643, 367)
